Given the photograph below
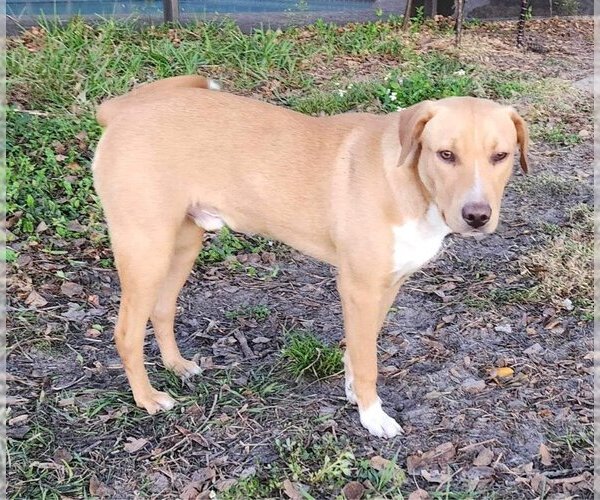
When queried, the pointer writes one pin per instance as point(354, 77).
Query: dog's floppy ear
point(522, 138)
point(412, 123)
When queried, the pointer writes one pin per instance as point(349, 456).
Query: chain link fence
point(275, 13)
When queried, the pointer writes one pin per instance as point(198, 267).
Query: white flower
point(350, 86)
point(460, 72)
point(341, 92)
point(387, 91)
point(386, 78)
point(400, 108)
point(400, 81)
point(393, 96)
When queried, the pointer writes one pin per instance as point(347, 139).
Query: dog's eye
point(447, 156)
point(498, 157)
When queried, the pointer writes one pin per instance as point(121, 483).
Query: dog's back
point(112, 107)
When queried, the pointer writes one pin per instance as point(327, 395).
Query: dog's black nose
point(476, 214)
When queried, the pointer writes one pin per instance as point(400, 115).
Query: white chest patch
point(418, 241)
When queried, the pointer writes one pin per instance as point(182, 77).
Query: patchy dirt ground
point(247, 429)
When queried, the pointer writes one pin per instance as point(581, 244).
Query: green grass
point(560, 268)
point(563, 266)
point(379, 38)
point(337, 101)
point(447, 494)
point(48, 178)
point(543, 186)
point(41, 475)
point(558, 135)
point(253, 486)
point(263, 384)
point(9, 255)
point(76, 66)
point(506, 295)
point(81, 64)
point(567, 7)
point(326, 463)
point(575, 441)
point(319, 465)
point(436, 76)
point(225, 245)
point(556, 111)
point(308, 355)
point(259, 313)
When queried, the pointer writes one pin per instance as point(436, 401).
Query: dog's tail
point(110, 108)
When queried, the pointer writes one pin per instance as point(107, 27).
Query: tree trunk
point(406, 20)
point(521, 25)
point(459, 7)
point(431, 8)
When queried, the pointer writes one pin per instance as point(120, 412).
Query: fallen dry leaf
point(440, 455)
point(419, 495)
point(380, 463)
point(59, 147)
point(94, 300)
point(353, 490)
point(135, 444)
point(203, 475)
point(194, 489)
point(18, 420)
point(92, 333)
point(71, 289)
point(503, 372)
point(291, 490)
point(537, 480)
point(480, 472)
point(436, 476)
point(503, 329)
point(66, 402)
point(62, 455)
point(472, 385)
point(190, 491)
point(225, 484)
point(484, 457)
point(34, 299)
point(546, 458)
point(206, 363)
point(157, 482)
point(99, 489)
point(534, 349)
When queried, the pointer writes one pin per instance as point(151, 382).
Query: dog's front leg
point(365, 303)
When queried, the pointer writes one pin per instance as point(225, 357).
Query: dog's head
point(464, 148)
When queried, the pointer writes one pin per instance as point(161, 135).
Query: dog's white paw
point(378, 422)
point(154, 401)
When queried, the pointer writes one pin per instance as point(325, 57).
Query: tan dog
point(372, 195)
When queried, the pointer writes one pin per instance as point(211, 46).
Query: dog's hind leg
point(143, 257)
point(187, 246)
